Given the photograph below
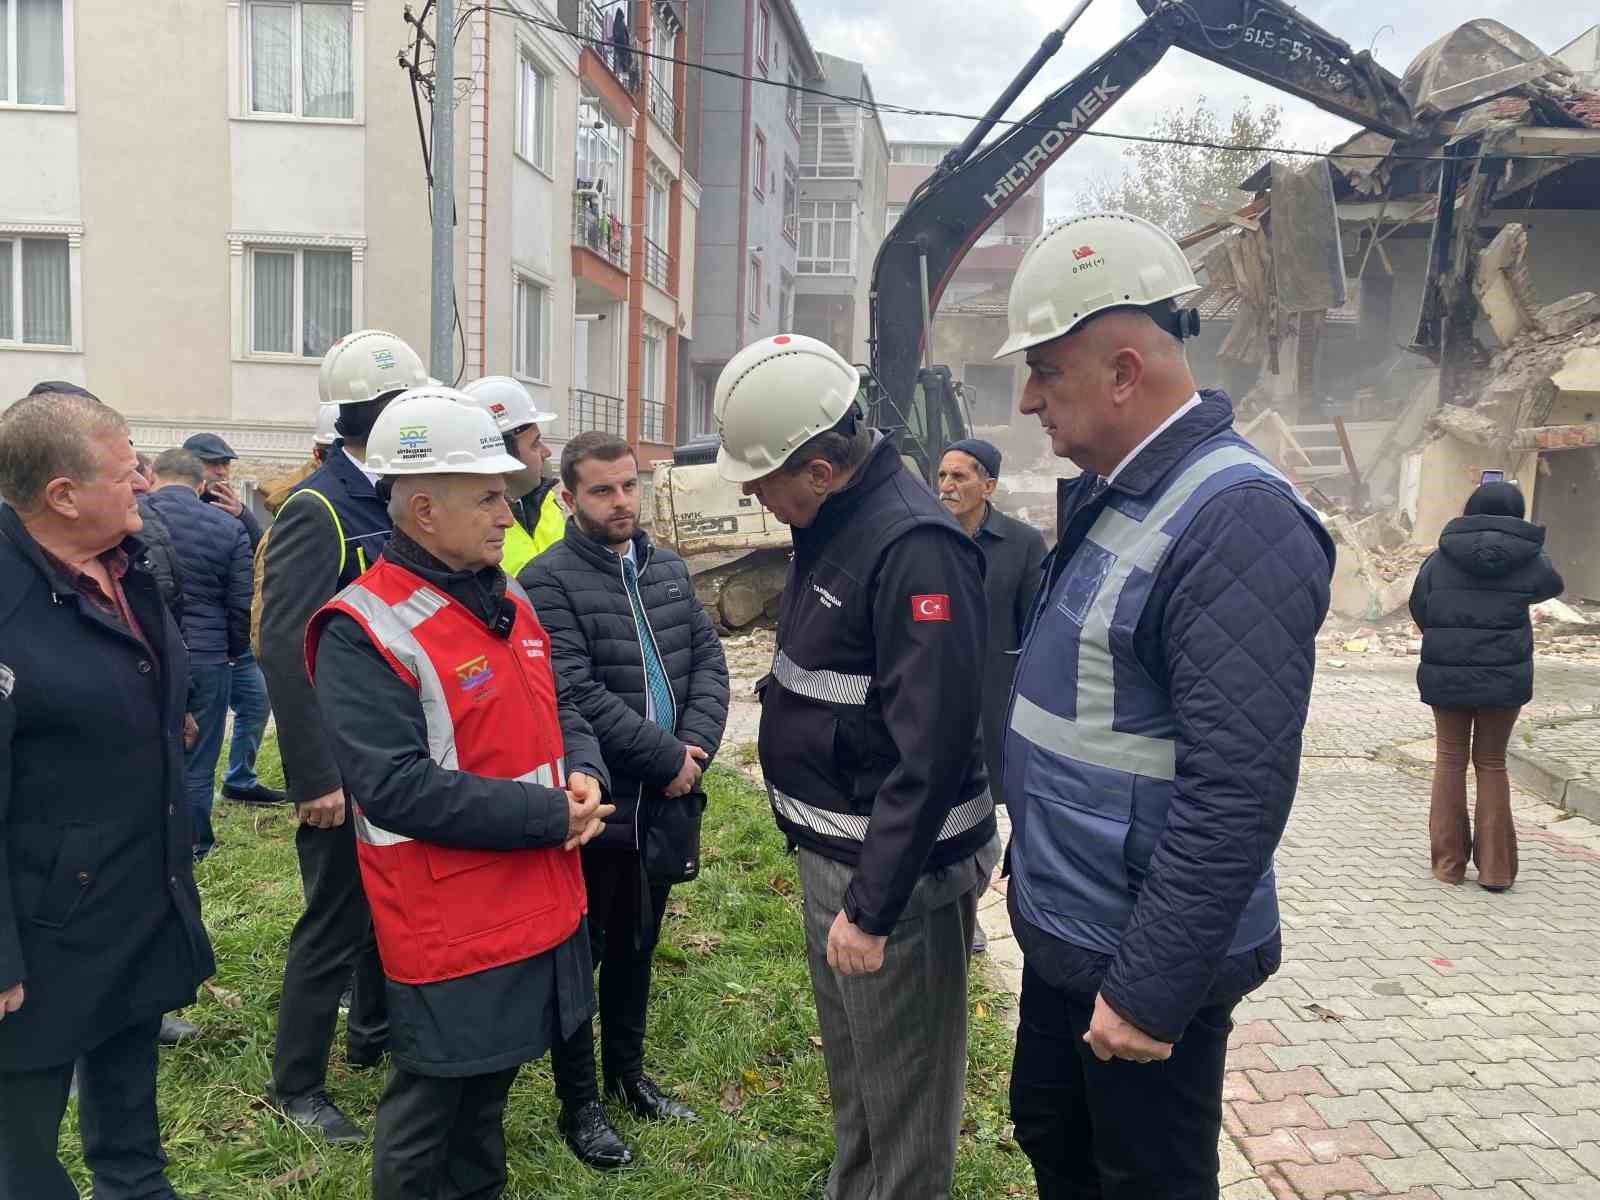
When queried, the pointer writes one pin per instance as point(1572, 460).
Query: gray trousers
point(895, 1041)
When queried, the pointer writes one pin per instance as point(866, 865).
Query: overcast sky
point(957, 55)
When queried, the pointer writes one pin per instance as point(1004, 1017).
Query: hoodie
point(1471, 601)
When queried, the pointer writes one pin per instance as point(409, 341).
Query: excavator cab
point(936, 416)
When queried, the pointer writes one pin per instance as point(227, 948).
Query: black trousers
point(1116, 1130)
point(116, 1116)
point(622, 939)
point(332, 937)
point(441, 1139)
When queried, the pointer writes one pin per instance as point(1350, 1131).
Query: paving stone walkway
point(1421, 1041)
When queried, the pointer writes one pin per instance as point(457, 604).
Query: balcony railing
point(657, 265)
point(652, 421)
point(597, 25)
point(596, 410)
point(600, 229)
point(662, 107)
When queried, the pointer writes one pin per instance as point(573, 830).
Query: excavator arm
point(1268, 40)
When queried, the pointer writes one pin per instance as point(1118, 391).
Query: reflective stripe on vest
point(853, 826)
point(831, 687)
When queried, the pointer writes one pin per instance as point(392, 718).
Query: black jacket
point(217, 572)
point(870, 738)
point(577, 591)
point(1471, 601)
point(163, 557)
point(494, 1019)
point(330, 529)
point(99, 916)
point(1012, 552)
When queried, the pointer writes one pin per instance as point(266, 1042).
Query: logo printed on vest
point(533, 647)
point(474, 673)
point(930, 608)
point(829, 600)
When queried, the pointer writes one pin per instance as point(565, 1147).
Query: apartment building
point(971, 321)
point(748, 245)
point(187, 243)
point(844, 161)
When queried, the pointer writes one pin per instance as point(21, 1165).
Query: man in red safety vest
point(472, 787)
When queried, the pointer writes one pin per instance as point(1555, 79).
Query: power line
point(880, 106)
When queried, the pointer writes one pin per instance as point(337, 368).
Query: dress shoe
point(592, 1138)
point(175, 1029)
point(316, 1112)
point(259, 794)
point(363, 1060)
point(648, 1102)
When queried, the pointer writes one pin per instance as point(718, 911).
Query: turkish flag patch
point(930, 608)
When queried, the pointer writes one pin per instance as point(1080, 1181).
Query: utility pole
point(442, 310)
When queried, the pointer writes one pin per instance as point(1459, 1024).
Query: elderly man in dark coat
point(100, 928)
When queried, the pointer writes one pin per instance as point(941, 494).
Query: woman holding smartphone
point(1471, 602)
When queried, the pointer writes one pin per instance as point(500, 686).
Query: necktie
point(662, 708)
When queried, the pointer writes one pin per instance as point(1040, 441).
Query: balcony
point(662, 107)
point(595, 227)
point(652, 421)
point(596, 410)
point(596, 27)
point(657, 265)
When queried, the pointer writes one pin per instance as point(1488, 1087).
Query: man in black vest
point(100, 928)
point(872, 755)
point(330, 529)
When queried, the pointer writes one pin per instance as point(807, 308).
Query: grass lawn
point(731, 1027)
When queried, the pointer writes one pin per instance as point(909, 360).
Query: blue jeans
point(248, 699)
point(209, 686)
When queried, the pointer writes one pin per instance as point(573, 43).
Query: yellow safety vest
point(522, 547)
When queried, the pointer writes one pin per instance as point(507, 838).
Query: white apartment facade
point(186, 242)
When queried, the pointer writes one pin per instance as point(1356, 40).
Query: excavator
point(903, 392)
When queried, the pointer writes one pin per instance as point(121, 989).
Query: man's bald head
point(1101, 389)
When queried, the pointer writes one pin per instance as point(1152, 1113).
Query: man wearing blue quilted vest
point(1153, 741)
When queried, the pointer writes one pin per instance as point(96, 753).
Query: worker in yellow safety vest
point(540, 521)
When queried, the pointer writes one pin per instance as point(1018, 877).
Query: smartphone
point(1492, 477)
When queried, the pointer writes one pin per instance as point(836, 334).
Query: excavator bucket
point(1307, 259)
point(1474, 62)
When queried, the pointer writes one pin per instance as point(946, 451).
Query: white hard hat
point(437, 430)
point(773, 396)
point(1086, 265)
point(507, 401)
point(368, 364)
point(327, 435)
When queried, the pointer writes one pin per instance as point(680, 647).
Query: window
point(35, 291)
point(763, 35)
point(893, 215)
point(920, 154)
point(653, 385)
point(753, 287)
point(533, 113)
point(600, 142)
point(828, 141)
point(301, 300)
point(826, 236)
point(794, 100)
point(301, 59)
point(531, 337)
point(664, 45)
point(791, 199)
point(33, 52)
point(760, 172)
point(657, 231)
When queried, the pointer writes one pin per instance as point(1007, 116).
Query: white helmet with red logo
point(508, 402)
point(1084, 266)
point(773, 396)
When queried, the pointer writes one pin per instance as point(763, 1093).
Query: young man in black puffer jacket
point(1471, 602)
point(637, 655)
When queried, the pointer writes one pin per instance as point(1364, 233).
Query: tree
point(1179, 186)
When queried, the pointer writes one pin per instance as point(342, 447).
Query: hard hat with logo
point(773, 396)
point(1090, 264)
point(437, 430)
point(367, 364)
point(326, 434)
point(508, 402)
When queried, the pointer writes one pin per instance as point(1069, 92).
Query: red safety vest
point(490, 703)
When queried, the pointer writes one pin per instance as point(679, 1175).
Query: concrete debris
point(1470, 425)
point(1555, 618)
point(1503, 286)
point(1569, 315)
point(1367, 586)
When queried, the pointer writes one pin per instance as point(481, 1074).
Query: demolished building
point(1464, 335)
